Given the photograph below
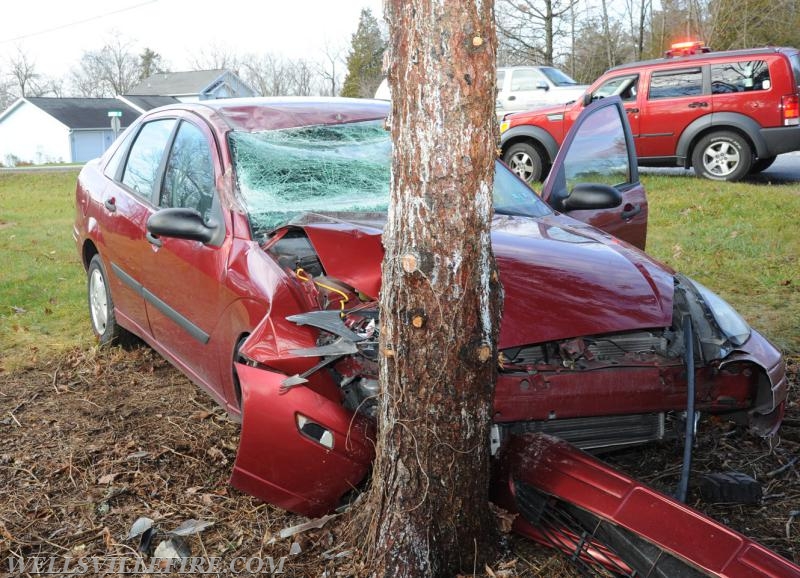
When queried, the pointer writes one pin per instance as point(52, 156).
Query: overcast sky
point(54, 33)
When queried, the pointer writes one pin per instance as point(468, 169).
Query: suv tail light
point(791, 109)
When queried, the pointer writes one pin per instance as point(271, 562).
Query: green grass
point(42, 284)
point(742, 240)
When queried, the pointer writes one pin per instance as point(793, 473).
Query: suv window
point(676, 83)
point(622, 86)
point(599, 151)
point(740, 76)
point(501, 75)
point(144, 159)
point(189, 178)
point(525, 79)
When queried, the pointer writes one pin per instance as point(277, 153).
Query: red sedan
point(242, 240)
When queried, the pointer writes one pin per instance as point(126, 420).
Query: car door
point(599, 151)
point(673, 100)
point(184, 278)
point(127, 203)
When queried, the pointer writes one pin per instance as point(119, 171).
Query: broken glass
point(285, 173)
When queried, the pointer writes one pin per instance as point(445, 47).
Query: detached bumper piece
point(604, 519)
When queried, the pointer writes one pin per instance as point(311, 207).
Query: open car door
point(598, 158)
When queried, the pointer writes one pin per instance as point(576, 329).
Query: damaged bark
point(440, 300)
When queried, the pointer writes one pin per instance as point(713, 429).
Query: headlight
point(730, 322)
point(504, 126)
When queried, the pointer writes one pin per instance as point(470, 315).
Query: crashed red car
point(242, 240)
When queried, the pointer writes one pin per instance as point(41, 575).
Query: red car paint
point(570, 290)
point(558, 469)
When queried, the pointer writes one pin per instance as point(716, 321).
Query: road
point(785, 169)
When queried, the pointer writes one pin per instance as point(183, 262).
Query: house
point(66, 130)
point(194, 85)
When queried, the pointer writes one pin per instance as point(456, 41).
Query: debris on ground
point(105, 446)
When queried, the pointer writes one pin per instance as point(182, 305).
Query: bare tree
point(330, 68)
point(113, 69)
point(528, 29)
point(270, 74)
point(440, 299)
point(216, 57)
point(25, 79)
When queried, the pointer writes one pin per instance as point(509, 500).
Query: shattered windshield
point(343, 168)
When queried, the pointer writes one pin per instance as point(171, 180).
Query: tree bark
point(440, 298)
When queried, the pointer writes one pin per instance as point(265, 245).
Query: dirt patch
point(97, 439)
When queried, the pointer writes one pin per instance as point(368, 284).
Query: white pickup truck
point(524, 88)
point(528, 87)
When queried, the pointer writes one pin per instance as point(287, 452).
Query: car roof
point(272, 113)
point(705, 56)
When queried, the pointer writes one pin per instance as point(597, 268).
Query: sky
point(55, 33)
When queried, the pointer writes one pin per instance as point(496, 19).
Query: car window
point(189, 177)
point(141, 170)
point(558, 77)
point(116, 160)
point(674, 84)
point(622, 86)
point(795, 60)
point(501, 75)
point(343, 168)
point(525, 79)
point(599, 152)
point(740, 76)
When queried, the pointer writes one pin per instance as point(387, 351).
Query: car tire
point(526, 161)
point(761, 165)
point(101, 307)
point(722, 156)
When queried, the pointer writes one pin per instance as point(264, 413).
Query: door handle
point(699, 104)
point(632, 110)
point(512, 97)
point(152, 239)
point(629, 211)
point(110, 204)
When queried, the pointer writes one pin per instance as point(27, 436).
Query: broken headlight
point(729, 321)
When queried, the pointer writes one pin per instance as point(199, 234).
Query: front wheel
point(101, 307)
point(722, 156)
point(526, 161)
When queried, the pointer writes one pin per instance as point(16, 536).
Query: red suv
point(727, 114)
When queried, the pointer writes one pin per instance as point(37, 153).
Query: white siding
point(32, 135)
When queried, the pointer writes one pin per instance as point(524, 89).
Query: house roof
point(177, 83)
point(83, 113)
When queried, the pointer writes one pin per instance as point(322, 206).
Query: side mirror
point(182, 223)
point(588, 196)
point(587, 98)
point(542, 85)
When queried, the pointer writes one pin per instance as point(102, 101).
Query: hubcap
point(98, 301)
point(721, 158)
point(522, 165)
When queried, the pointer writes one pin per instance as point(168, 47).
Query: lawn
point(42, 284)
point(739, 239)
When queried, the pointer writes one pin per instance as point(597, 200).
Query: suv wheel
point(722, 156)
point(526, 161)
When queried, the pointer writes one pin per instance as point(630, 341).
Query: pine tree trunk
point(440, 301)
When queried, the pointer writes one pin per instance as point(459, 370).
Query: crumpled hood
point(561, 278)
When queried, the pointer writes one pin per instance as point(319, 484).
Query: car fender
point(528, 132)
point(721, 121)
point(291, 468)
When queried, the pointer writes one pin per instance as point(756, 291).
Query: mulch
point(99, 438)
